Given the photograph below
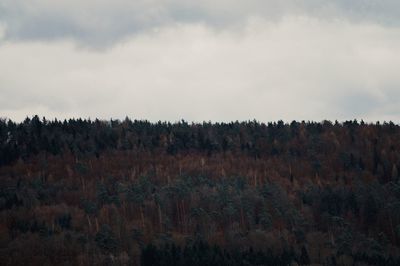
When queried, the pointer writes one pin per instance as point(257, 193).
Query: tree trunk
point(183, 216)
point(97, 225)
point(160, 217)
point(142, 216)
point(89, 223)
point(178, 213)
point(242, 216)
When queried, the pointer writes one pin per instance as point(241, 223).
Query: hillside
point(81, 192)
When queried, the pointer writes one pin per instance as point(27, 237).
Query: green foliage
point(106, 240)
point(64, 221)
point(200, 253)
point(106, 195)
point(89, 207)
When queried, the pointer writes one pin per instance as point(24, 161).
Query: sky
point(220, 60)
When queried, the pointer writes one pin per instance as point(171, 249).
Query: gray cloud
point(201, 60)
point(103, 23)
point(299, 67)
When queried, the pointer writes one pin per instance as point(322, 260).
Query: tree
point(106, 240)
point(304, 258)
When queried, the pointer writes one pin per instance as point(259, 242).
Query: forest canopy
point(241, 193)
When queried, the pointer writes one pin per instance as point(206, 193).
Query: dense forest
point(82, 192)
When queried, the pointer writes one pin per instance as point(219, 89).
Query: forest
point(134, 192)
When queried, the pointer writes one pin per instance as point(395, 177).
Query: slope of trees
point(242, 193)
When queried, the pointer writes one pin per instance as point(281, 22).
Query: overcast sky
point(218, 60)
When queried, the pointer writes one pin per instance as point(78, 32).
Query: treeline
point(242, 193)
point(86, 137)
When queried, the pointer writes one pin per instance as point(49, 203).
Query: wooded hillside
point(83, 192)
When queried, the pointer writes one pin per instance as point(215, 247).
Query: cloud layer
point(102, 22)
point(168, 60)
